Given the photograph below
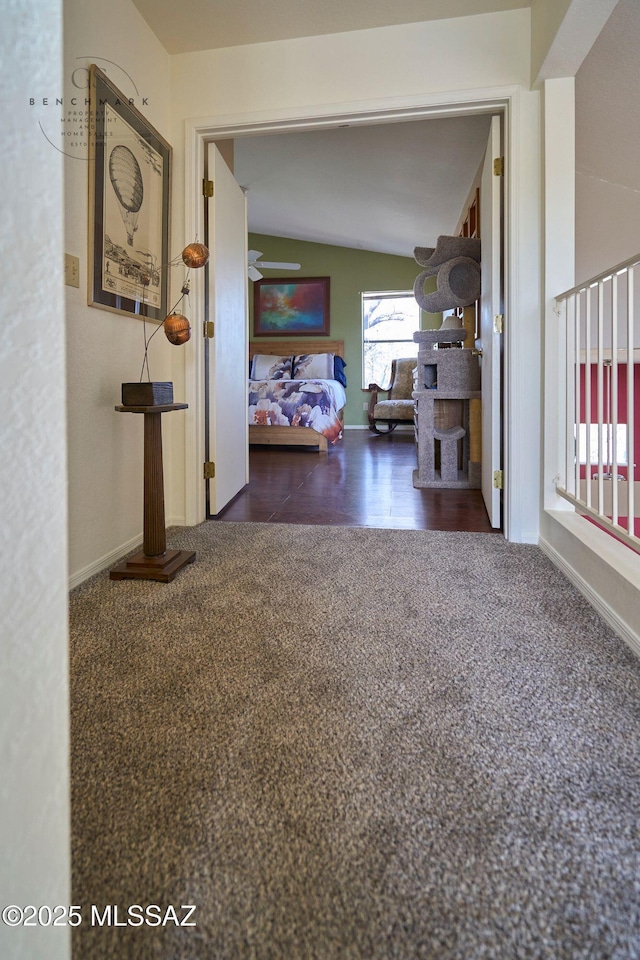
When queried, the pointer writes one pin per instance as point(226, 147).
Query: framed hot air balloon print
point(129, 196)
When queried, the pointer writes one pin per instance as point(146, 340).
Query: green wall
point(352, 272)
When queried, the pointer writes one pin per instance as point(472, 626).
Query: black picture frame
point(129, 206)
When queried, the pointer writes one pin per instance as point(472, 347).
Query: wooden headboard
point(293, 348)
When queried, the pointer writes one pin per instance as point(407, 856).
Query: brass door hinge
point(209, 470)
point(497, 479)
point(498, 167)
point(498, 323)
point(207, 188)
point(207, 329)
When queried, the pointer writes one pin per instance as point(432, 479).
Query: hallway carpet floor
point(353, 744)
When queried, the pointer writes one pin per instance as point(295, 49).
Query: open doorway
point(521, 127)
point(413, 181)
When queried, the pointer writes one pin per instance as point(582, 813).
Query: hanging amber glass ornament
point(195, 255)
point(177, 329)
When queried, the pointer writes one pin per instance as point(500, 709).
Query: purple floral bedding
point(298, 403)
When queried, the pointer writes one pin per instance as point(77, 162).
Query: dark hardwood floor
point(364, 481)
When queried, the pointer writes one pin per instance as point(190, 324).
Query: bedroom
point(378, 191)
point(362, 455)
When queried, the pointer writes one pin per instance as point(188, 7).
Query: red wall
point(622, 405)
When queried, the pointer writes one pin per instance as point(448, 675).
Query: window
point(606, 435)
point(389, 321)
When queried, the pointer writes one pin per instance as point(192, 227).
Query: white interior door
point(226, 356)
point(490, 338)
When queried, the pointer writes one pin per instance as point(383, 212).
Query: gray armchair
point(385, 415)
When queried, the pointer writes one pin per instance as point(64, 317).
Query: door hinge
point(207, 329)
point(497, 479)
point(207, 188)
point(209, 470)
point(498, 323)
point(498, 167)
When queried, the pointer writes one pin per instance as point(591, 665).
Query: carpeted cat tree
point(447, 380)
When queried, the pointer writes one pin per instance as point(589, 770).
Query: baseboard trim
point(177, 521)
point(606, 611)
point(75, 579)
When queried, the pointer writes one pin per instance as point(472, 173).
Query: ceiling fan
point(255, 262)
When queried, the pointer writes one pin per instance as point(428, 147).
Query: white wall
point(546, 20)
point(608, 146)
point(607, 218)
point(328, 75)
point(562, 33)
point(280, 81)
point(559, 222)
point(104, 348)
point(441, 55)
point(436, 62)
point(604, 223)
point(293, 78)
point(34, 742)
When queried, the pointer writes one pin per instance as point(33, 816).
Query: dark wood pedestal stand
point(154, 562)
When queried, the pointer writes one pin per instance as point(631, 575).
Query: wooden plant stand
point(154, 561)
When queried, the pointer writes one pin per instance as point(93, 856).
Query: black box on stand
point(146, 394)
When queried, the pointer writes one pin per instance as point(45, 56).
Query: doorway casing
point(520, 113)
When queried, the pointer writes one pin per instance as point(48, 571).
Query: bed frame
point(292, 436)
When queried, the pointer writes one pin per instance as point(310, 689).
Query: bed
point(300, 402)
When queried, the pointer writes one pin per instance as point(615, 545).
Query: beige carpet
point(354, 743)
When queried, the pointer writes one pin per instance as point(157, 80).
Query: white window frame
point(379, 295)
point(605, 433)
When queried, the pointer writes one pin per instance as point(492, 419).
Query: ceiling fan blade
point(277, 266)
point(253, 257)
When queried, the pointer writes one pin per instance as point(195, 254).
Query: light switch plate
point(71, 270)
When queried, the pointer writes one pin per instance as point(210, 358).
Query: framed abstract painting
point(285, 308)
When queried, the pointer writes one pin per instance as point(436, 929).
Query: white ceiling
point(191, 25)
point(387, 187)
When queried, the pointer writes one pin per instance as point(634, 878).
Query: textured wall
point(34, 837)
point(562, 33)
point(103, 348)
point(546, 18)
point(456, 54)
point(607, 146)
